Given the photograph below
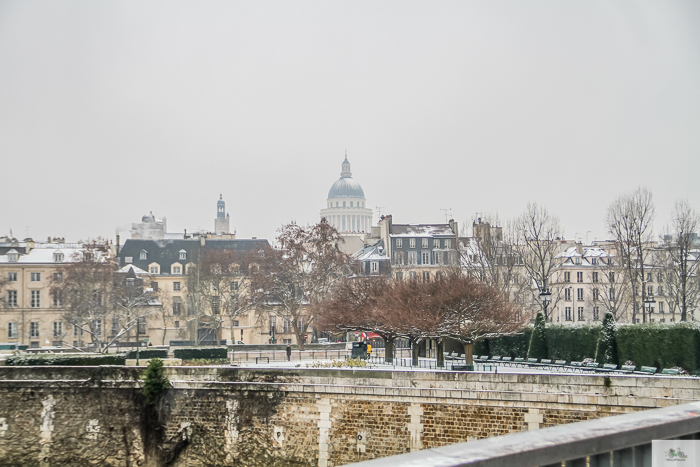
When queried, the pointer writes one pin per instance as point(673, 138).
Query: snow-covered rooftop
point(421, 230)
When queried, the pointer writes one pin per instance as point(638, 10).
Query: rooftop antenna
point(448, 214)
point(379, 210)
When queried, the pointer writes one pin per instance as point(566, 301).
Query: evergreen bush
point(606, 350)
point(663, 345)
point(201, 353)
point(146, 354)
point(154, 381)
point(66, 359)
point(572, 343)
point(538, 339)
point(510, 346)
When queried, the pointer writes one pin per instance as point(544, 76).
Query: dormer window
point(144, 254)
point(58, 257)
point(183, 254)
point(12, 256)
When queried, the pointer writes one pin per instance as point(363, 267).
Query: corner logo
point(675, 455)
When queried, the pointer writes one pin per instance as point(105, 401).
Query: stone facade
point(304, 417)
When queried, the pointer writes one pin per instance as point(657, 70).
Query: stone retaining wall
point(301, 417)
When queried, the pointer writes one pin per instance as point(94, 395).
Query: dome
point(346, 187)
point(148, 218)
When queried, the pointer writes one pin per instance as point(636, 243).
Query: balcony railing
point(617, 441)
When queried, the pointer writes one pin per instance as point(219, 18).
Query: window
point(130, 282)
point(374, 267)
point(412, 257)
point(567, 295)
point(97, 327)
point(579, 276)
point(612, 277)
point(142, 325)
point(177, 270)
point(154, 286)
point(34, 329)
point(661, 277)
point(660, 290)
point(58, 277)
point(595, 277)
point(115, 326)
point(447, 243)
point(183, 254)
point(596, 313)
point(425, 257)
point(287, 326)
point(436, 243)
point(567, 313)
point(235, 323)
point(399, 257)
point(87, 256)
point(612, 294)
point(412, 275)
point(234, 285)
point(58, 257)
point(177, 305)
point(215, 305)
point(661, 307)
point(399, 276)
point(650, 291)
point(438, 257)
point(579, 294)
point(176, 286)
point(129, 259)
point(12, 330)
point(426, 276)
point(35, 277)
point(649, 277)
point(595, 295)
point(153, 270)
point(399, 243)
point(567, 277)
point(273, 321)
point(580, 313)
point(143, 255)
point(97, 297)
point(57, 329)
point(56, 298)
point(12, 276)
point(577, 260)
point(11, 298)
point(424, 243)
point(36, 299)
point(12, 256)
point(286, 341)
point(594, 261)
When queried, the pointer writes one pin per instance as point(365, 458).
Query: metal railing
point(617, 441)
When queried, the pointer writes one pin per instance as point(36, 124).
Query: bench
point(496, 358)
point(576, 366)
point(627, 369)
point(507, 360)
point(559, 362)
point(592, 365)
point(646, 370)
point(481, 359)
point(259, 359)
point(532, 361)
point(519, 361)
point(670, 371)
point(545, 362)
point(607, 368)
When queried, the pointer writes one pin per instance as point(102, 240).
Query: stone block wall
point(310, 417)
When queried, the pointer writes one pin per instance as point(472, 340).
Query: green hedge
point(572, 343)
point(201, 353)
point(662, 345)
point(66, 359)
point(510, 346)
point(153, 353)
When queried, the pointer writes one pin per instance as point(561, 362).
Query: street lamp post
point(545, 298)
point(649, 304)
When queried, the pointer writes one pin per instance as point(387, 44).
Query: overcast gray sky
point(112, 109)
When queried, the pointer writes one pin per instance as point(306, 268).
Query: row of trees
point(521, 259)
point(453, 306)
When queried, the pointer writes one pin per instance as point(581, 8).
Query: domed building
point(345, 207)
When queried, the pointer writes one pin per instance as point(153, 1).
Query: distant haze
point(109, 110)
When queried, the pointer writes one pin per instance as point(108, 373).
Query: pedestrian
point(289, 353)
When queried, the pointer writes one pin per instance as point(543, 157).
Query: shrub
point(606, 350)
point(146, 354)
point(201, 353)
point(663, 345)
point(572, 343)
point(511, 346)
point(538, 339)
point(154, 381)
point(66, 359)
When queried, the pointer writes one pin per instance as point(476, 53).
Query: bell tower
point(222, 221)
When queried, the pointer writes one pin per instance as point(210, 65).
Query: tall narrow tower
point(221, 223)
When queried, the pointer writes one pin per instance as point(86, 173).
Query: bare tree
point(681, 251)
point(84, 288)
point(292, 280)
point(630, 221)
point(133, 300)
point(537, 237)
point(608, 289)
